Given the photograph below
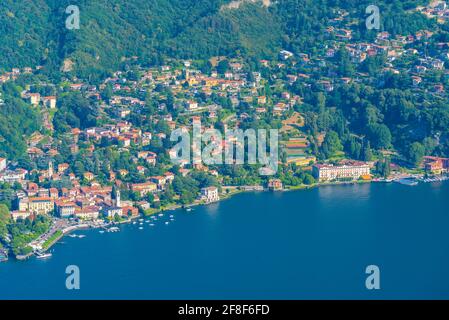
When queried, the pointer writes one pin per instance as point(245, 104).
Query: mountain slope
point(33, 31)
point(251, 29)
point(23, 32)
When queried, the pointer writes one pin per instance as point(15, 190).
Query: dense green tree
point(223, 66)
point(75, 111)
point(17, 120)
point(4, 220)
point(354, 148)
point(308, 179)
point(380, 136)
point(415, 153)
point(383, 167)
point(331, 144)
point(367, 154)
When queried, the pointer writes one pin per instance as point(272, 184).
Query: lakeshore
point(46, 243)
point(313, 243)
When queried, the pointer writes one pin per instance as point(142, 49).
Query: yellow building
point(144, 188)
point(38, 205)
point(192, 81)
point(211, 82)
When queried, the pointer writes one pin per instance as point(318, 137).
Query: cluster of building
point(35, 99)
point(194, 96)
point(86, 203)
point(401, 46)
point(436, 9)
point(12, 176)
point(121, 133)
point(16, 72)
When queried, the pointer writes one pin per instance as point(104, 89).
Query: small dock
point(411, 181)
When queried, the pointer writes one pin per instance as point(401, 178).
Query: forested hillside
point(33, 32)
point(24, 31)
point(17, 119)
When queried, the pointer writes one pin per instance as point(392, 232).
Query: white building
point(352, 171)
point(20, 215)
point(34, 98)
point(13, 176)
point(88, 213)
point(65, 210)
point(111, 212)
point(285, 55)
point(210, 194)
point(191, 105)
point(49, 102)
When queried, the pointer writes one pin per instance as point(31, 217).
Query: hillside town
point(113, 165)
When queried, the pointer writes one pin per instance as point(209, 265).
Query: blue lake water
point(311, 244)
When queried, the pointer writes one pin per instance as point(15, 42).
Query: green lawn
point(52, 239)
point(151, 211)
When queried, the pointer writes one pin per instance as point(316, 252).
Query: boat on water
point(167, 222)
point(140, 228)
point(73, 235)
point(81, 236)
point(189, 209)
point(43, 255)
point(152, 225)
point(101, 231)
point(113, 229)
point(160, 214)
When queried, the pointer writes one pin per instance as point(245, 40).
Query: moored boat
point(113, 229)
point(43, 255)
